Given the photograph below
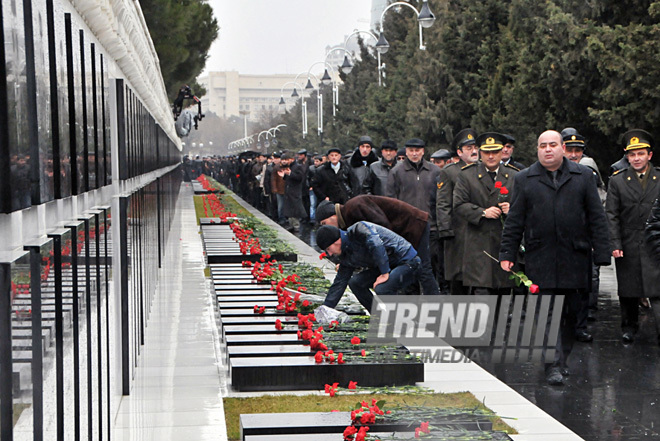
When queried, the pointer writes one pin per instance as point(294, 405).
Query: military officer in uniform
point(481, 199)
point(451, 228)
point(629, 201)
point(507, 152)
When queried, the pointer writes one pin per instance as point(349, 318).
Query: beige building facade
point(233, 94)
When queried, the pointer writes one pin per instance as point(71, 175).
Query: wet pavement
point(613, 391)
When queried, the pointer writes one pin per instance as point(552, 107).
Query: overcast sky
point(281, 36)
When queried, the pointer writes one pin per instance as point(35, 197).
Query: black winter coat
point(293, 206)
point(561, 226)
point(359, 170)
point(335, 186)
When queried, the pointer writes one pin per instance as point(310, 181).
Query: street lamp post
point(346, 67)
point(357, 32)
point(245, 114)
point(319, 97)
point(294, 94)
point(425, 19)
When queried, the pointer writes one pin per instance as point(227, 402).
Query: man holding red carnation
point(556, 207)
point(481, 198)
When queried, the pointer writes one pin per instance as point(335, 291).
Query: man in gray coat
point(556, 207)
point(629, 201)
point(412, 181)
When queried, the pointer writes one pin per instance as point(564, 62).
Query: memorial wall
point(89, 178)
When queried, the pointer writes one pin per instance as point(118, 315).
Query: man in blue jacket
point(389, 263)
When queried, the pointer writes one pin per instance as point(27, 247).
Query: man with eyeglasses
point(451, 228)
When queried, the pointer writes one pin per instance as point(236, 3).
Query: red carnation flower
point(504, 191)
point(352, 384)
point(349, 432)
point(278, 324)
point(355, 340)
point(534, 289)
point(323, 255)
point(498, 184)
point(318, 357)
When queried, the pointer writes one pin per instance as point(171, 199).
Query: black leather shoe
point(628, 337)
point(584, 336)
point(554, 377)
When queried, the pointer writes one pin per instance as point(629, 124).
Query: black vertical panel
point(104, 164)
point(36, 258)
point(76, 229)
point(88, 323)
point(121, 129)
point(93, 156)
point(18, 186)
point(61, 94)
point(125, 318)
point(141, 263)
point(6, 375)
point(106, 223)
point(96, 237)
point(85, 132)
point(159, 230)
point(37, 346)
point(106, 120)
point(43, 189)
point(71, 89)
point(5, 169)
point(54, 101)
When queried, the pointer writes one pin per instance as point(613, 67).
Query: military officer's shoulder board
point(453, 164)
point(511, 166)
point(474, 164)
point(619, 171)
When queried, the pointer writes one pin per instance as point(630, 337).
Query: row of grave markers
point(262, 358)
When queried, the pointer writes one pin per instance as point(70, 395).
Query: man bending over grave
point(388, 262)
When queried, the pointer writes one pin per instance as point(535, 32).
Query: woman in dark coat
point(294, 177)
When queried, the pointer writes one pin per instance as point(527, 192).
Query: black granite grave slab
point(257, 299)
point(238, 258)
point(249, 312)
point(243, 305)
point(243, 287)
point(335, 422)
point(215, 221)
point(295, 373)
point(256, 339)
point(259, 319)
point(292, 350)
point(234, 277)
point(228, 282)
point(437, 435)
point(257, 329)
point(235, 293)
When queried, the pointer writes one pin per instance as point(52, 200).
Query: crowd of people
point(461, 222)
